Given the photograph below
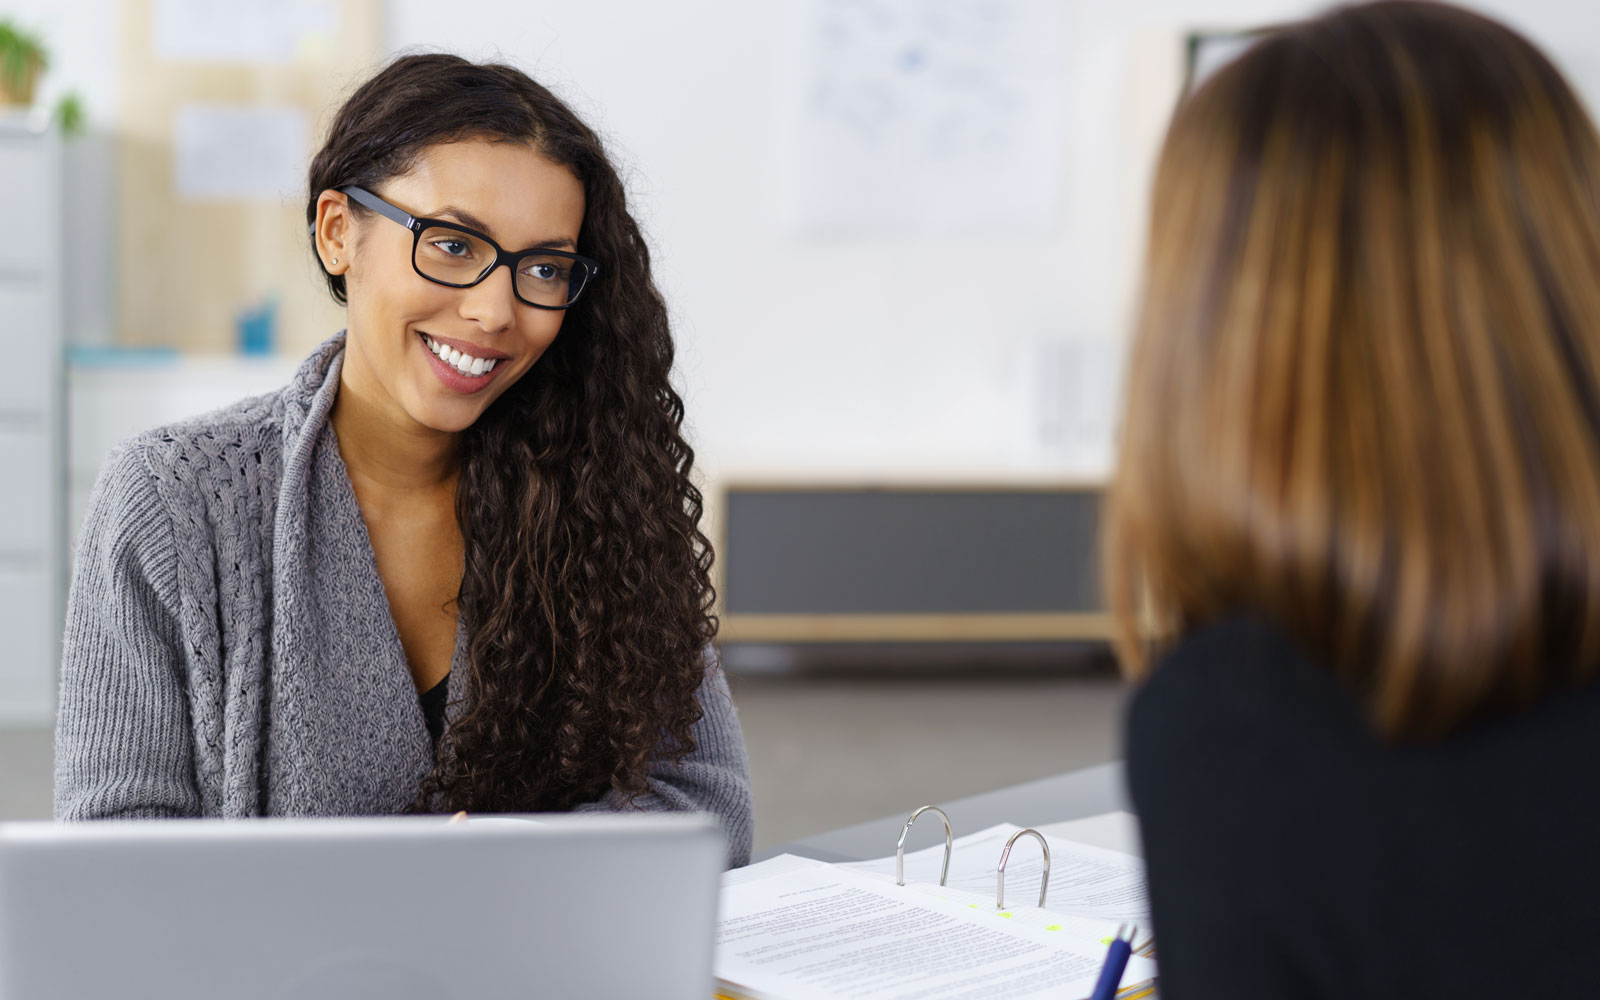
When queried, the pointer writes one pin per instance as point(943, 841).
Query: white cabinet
point(29, 507)
point(28, 668)
point(24, 309)
point(32, 475)
point(30, 167)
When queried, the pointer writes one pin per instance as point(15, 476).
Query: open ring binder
point(949, 849)
point(900, 848)
point(1005, 855)
point(772, 946)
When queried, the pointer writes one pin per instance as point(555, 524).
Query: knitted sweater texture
point(229, 649)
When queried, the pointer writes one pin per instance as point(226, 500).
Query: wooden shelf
point(1053, 627)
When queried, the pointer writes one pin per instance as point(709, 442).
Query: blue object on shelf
point(258, 328)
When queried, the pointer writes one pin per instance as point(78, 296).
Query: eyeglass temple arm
point(389, 211)
point(378, 205)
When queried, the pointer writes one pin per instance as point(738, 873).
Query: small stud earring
point(336, 260)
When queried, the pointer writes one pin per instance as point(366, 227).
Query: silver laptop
point(405, 908)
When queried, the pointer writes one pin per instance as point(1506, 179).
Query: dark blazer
point(1293, 854)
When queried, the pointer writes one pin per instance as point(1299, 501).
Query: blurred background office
point(899, 239)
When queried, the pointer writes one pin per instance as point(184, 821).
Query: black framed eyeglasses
point(449, 254)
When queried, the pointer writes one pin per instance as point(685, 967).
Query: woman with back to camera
point(1354, 537)
point(479, 492)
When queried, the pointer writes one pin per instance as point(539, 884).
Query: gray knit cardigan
point(229, 650)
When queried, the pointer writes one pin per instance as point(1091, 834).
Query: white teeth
point(466, 364)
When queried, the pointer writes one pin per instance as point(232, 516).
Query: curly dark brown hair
point(586, 595)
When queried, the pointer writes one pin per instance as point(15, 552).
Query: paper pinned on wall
point(239, 152)
point(1071, 402)
point(910, 118)
point(266, 31)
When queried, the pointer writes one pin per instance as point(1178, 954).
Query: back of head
point(1364, 401)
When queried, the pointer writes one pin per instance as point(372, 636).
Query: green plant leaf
point(69, 114)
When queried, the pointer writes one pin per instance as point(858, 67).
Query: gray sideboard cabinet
point(33, 557)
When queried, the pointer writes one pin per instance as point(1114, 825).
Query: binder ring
point(1000, 880)
point(900, 848)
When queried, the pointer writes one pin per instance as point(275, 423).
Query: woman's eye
point(544, 272)
point(453, 248)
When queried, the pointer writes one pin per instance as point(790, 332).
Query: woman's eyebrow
point(473, 222)
point(467, 219)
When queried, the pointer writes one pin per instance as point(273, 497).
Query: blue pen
point(1116, 961)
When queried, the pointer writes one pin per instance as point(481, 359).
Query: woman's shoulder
point(186, 470)
point(230, 452)
point(1241, 703)
point(1233, 743)
point(1238, 670)
point(1245, 704)
point(232, 439)
point(202, 440)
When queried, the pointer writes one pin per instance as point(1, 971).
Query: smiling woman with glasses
point(457, 563)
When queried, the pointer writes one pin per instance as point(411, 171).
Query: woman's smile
point(462, 366)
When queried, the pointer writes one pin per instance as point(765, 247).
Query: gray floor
point(828, 750)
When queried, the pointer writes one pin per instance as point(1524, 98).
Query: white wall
point(893, 374)
point(898, 368)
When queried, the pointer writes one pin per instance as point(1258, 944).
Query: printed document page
point(812, 931)
point(1117, 831)
point(1080, 933)
point(1085, 881)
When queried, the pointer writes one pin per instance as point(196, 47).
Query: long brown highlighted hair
point(1364, 397)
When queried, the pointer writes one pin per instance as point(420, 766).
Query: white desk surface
point(1045, 804)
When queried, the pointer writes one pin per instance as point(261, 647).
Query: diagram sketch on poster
point(910, 117)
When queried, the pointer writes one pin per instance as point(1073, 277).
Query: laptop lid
point(402, 908)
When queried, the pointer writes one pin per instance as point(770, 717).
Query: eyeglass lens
point(458, 258)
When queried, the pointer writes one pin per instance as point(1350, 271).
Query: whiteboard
point(906, 117)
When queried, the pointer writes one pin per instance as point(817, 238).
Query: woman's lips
point(450, 373)
point(467, 347)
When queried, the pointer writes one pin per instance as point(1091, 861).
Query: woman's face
point(509, 191)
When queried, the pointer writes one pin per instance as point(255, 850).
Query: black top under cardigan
point(434, 701)
point(1293, 855)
